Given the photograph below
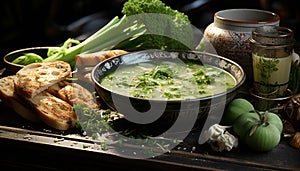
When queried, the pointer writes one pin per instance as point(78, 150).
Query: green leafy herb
point(169, 30)
point(201, 77)
point(162, 72)
point(149, 80)
point(91, 121)
point(266, 67)
point(95, 123)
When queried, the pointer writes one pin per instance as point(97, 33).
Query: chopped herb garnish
point(169, 79)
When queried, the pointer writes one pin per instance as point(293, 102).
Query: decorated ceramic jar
point(230, 34)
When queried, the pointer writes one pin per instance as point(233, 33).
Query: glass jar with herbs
point(272, 49)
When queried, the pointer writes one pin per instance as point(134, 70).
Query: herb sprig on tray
point(100, 125)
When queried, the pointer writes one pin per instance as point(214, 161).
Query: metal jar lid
point(273, 36)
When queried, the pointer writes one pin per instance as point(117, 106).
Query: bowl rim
point(237, 86)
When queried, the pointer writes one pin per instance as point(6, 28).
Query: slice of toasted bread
point(54, 111)
point(73, 93)
point(77, 94)
point(13, 101)
point(37, 77)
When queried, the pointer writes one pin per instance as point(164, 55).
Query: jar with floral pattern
point(231, 31)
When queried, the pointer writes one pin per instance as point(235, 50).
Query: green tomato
point(244, 122)
point(260, 131)
point(234, 109)
point(265, 138)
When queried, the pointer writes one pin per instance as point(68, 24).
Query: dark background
point(29, 23)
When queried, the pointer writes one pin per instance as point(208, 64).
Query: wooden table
point(24, 147)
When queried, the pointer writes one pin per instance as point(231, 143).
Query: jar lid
point(245, 20)
point(273, 35)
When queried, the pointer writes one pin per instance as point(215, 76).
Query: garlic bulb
point(220, 139)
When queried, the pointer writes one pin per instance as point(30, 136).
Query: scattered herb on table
point(95, 123)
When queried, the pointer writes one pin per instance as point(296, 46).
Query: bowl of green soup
point(169, 90)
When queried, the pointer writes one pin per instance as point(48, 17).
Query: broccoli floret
point(166, 28)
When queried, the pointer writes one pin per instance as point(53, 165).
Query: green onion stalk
point(112, 34)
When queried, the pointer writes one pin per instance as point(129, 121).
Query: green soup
point(171, 80)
